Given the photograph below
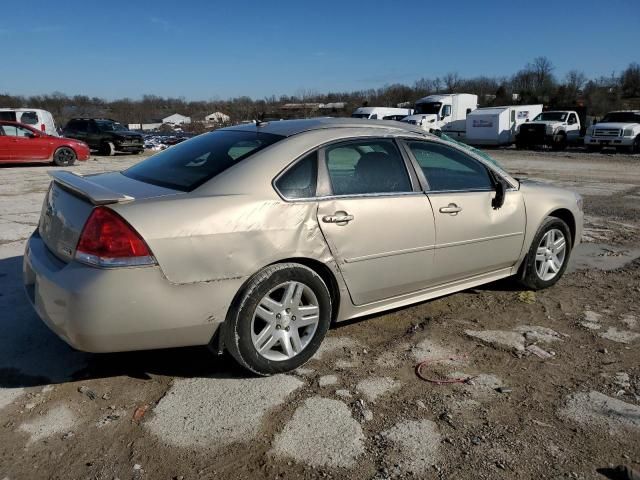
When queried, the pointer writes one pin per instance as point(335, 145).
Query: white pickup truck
point(556, 129)
point(616, 129)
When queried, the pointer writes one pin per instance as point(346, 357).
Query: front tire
point(64, 157)
point(635, 148)
point(548, 255)
point(108, 149)
point(279, 319)
point(559, 141)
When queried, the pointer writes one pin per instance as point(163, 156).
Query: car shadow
point(32, 355)
point(47, 163)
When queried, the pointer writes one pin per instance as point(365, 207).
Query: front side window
point(16, 131)
point(366, 167)
point(189, 164)
point(572, 119)
point(447, 168)
point(77, 126)
point(446, 111)
point(300, 180)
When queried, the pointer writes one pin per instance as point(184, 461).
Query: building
point(218, 118)
point(177, 119)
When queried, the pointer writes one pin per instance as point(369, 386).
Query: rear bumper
point(609, 141)
point(111, 310)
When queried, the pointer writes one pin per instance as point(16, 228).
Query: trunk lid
point(72, 197)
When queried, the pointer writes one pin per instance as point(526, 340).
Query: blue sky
point(215, 49)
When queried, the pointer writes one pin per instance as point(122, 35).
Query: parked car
point(104, 135)
point(255, 238)
point(21, 143)
point(34, 117)
point(616, 129)
point(556, 129)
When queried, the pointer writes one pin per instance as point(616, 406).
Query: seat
point(379, 172)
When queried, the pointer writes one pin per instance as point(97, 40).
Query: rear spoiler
point(84, 187)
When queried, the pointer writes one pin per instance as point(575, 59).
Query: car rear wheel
point(279, 320)
point(548, 255)
point(108, 148)
point(64, 156)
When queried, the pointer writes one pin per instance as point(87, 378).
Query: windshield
point(359, 115)
point(624, 117)
point(432, 108)
point(189, 164)
point(109, 126)
point(551, 117)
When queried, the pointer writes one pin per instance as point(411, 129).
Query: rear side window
point(300, 180)
point(77, 126)
point(447, 168)
point(189, 164)
point(29, 118)
point(8, 116)
point(367, 167)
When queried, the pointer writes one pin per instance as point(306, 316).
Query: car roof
point(288, 128)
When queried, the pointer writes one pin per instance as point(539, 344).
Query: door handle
point(451, 209)
point(341, 218)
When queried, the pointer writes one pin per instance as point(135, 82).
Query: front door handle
point(451, 209)
point(341, 218)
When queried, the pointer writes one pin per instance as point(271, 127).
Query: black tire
point(64, 157)
point(236, 331)
point(559, 141)
point(530, 278)
point(108, 149)
point(635, 148)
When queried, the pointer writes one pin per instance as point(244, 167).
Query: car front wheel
point(548, 255)
point(64, 156)
point(279, 320)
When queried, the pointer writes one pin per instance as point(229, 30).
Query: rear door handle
point(451, 209)
point(341, 218)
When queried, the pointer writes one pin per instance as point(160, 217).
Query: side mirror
point(498, 200)
point(31, 135)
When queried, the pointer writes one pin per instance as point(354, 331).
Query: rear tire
point(64, 157)
point(108, 149)
point(548, 255)
point(262, 332)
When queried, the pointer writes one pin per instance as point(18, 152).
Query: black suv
point(105, 135)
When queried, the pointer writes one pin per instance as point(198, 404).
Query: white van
point(381, 113)
point(34, 117)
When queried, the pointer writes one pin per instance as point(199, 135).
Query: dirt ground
point(357, 410)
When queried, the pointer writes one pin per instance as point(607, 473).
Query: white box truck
point(498, 125)
point(446, 112)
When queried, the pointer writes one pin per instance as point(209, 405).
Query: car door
point(472, 237)
point(5, 151)
point(573, 128)
point(26, 145)
point(377, 223)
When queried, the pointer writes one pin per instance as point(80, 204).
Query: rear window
point(189, 164)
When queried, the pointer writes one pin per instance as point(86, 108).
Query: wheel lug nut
point(278, 315)
point(293, 318)
point(278, 327)
point(286, 329)
point(288, 310)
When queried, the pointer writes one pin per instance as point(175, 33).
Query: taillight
point(43, 127)
point(107, 240)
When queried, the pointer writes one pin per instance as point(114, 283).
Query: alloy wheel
point(285, 321)
point(550, 254)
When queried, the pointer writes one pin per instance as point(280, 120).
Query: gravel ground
point(357, 410)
